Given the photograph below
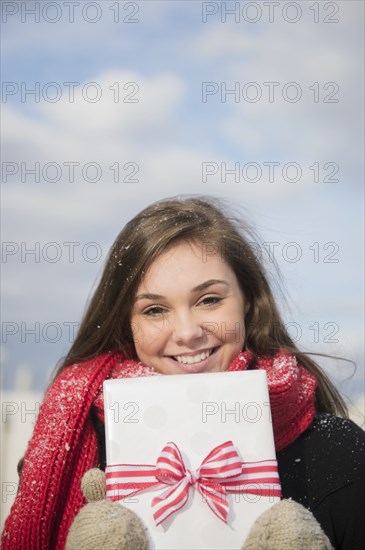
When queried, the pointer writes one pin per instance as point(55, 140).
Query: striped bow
point(221, 472)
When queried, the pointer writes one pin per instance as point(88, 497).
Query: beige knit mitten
point(102, 523)
point(286, 526)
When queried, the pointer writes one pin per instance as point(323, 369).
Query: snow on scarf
point(64, 445)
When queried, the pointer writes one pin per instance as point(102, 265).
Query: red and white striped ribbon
point(221, 472)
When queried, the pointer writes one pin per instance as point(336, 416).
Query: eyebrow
point(198, 288)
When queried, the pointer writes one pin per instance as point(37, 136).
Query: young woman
point(183, 292)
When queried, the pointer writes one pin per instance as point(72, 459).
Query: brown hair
point(207, 222)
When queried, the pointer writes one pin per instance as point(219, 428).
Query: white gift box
point(197, 412)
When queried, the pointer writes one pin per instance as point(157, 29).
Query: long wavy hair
point(206, 221)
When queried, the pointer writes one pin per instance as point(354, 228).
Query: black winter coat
point(324, 469)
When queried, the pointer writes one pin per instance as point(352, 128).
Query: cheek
point(135, 330)
point(147, 336)
point(137, 333)
point(233, 328)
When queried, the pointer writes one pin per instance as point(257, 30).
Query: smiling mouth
point(192, 359)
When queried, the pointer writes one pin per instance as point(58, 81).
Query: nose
point(186, 328)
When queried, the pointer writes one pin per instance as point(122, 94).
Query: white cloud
point(281, 53)
point(130, 104)
point(169, 133)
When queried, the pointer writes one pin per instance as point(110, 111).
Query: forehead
point(186, 264)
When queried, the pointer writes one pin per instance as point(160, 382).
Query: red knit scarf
point(64, 445)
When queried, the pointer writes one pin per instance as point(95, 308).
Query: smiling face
point(188, 313)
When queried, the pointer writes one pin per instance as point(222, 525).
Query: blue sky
point(166, 136)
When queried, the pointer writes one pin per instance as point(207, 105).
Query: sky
point(109, 106)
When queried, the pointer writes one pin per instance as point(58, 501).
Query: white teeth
point(193, 358)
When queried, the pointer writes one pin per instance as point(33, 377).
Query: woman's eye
point(153, 311)
point(211, 300)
